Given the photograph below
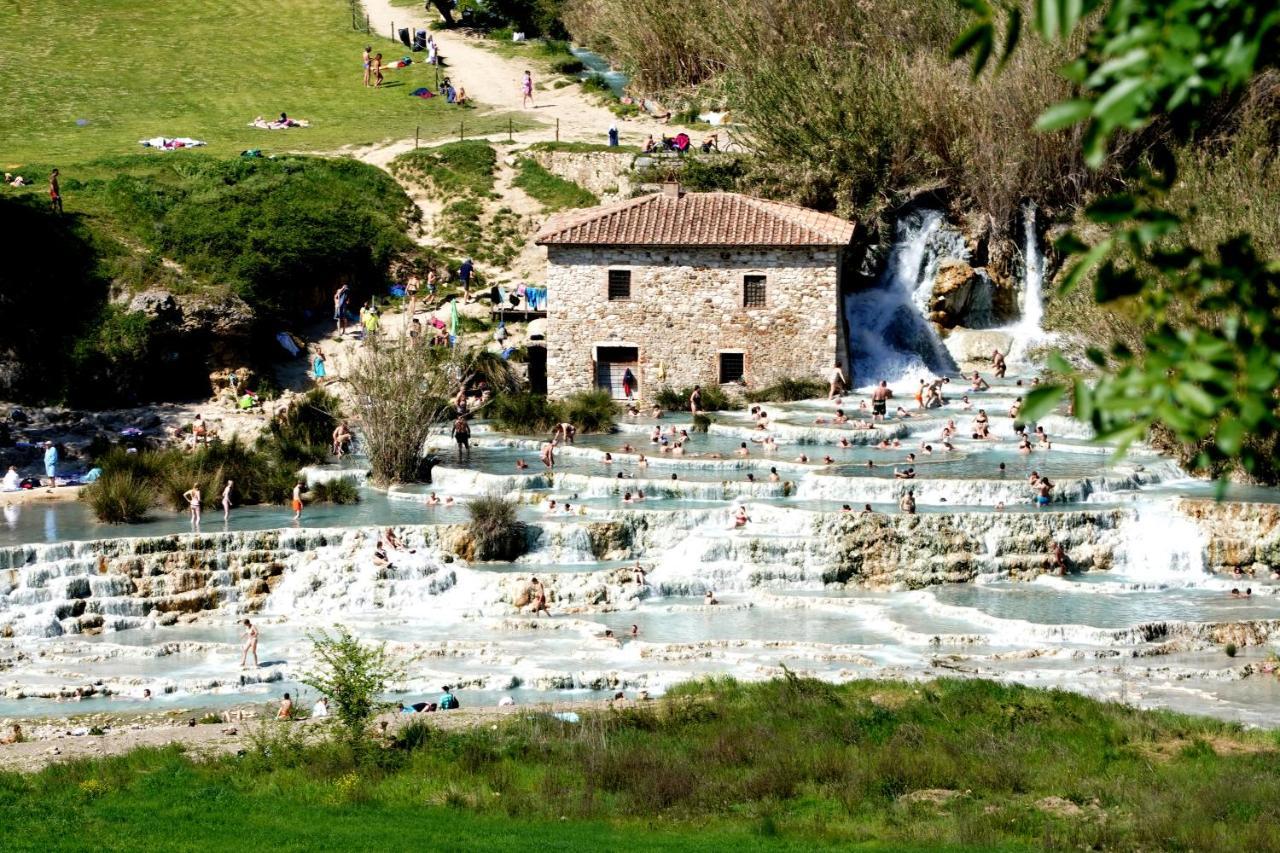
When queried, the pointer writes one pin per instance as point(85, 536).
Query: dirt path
point(53, 743)
point(494, 81)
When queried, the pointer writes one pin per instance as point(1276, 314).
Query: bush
point(352, 675)
point(1231, 650)
point(496, 533)
point(342, 490)
point(303, 433)
point(701, 423)
point(788, 390)
point(524, 412)
point(568, 66)
point(714, 399)
point(457, 168)
point(590, 411)
point(120, 497)
point(596, 83)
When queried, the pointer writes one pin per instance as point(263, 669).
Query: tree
point(352, 675)
point(405, 393)
point(1210, 362)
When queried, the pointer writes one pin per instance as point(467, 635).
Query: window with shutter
point(619, 285)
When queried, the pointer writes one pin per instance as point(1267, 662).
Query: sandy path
point(214, 739)
point(494, 81)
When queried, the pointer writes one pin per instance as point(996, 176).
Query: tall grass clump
point(524, 412)
point(496, 533)
point(589, 411)
point(788, 390)
point(714, 399)
point(120, 497)
point(340, 490)
point(552, 191)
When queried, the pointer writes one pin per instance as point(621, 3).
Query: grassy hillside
point(791, 764)
point(134, 69)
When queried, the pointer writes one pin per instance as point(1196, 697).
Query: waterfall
point(1028, 330)
point(1161, 547)
point(890, 336)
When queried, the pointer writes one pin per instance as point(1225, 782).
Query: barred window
point(619, 285)
point(732, 366)
point(753, 291)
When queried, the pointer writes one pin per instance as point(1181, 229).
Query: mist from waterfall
point(890, 336)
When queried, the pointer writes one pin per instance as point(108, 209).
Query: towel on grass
point(170, 143)
point(262, 124)
point(423, 92)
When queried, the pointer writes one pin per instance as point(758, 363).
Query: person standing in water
point(193, 499)
point(250, 644)
point(695, 400)
point(297, 501)
point(838, 382)
point(226, 501)
point(526, 91)
point(997, 364)
point(880, 400)
point(462, 435)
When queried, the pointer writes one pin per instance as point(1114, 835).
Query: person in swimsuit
point(1044, 487)
point(192, 497)
point(695, 400)
point(462, 435)
point(838, 382)
point(526, 90)
point(997, 364)
point(340, 297)
point(377, 70)
point(55, 193)
point(548, 453)
point(250, 643)
point(368, 61)
point(226, 500)
point(538, 593)
point(979, 384)
point(297, 501)
point(908, 502)
point(880, 400)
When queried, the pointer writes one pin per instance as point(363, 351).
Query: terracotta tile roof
point(695, 219)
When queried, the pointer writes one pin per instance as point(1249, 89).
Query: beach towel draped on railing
point(535, 298)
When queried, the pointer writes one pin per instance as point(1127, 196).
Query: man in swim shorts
point(462, 435)
point(880, 400)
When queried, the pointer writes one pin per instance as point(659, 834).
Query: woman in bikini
point(192, 497)
point(368, 61)
point(250, 643)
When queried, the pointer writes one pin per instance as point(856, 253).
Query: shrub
point(302, 434)
point(714, 399)
point(1231, 650)
point(495, 531)
point(568, 66)
point(788, 391)
point(701, 423)
point(597, 83)
point(342, 490)
point(352, 675)
point(590, 411)
point(458, 168)
point(524, 412)
point(119, 497)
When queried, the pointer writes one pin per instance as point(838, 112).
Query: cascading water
point(1028, 331)
point(890, 336)
point(1161, 548)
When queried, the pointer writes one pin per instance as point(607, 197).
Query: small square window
point(619, 285)
point(753, 291)
point(732, 366)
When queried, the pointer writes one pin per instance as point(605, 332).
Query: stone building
point(685, 288)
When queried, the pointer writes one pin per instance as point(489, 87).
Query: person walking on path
point(55, 193)
point(250, 644)
point(464, 276)
point(226, 501)
point(526, 91)
point(297, 501)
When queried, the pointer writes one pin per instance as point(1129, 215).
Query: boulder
point(954, 288)
point(966, 345)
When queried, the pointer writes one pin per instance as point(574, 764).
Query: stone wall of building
point(686, 307)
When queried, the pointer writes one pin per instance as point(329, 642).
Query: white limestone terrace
point(96, 615)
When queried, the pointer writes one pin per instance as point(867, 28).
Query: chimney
point(671, 189)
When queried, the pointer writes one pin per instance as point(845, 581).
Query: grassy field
point(113, 72)
point(791, 764)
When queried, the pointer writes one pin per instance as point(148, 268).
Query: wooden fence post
point(557, 130)
point(416, 131)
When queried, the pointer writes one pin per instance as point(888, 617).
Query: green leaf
point(1091, 259)
point(1047, 18)
point(1112, 208)
point(1058, 364)
point(1064, 114)
point(969, 39)
point(1119, 102)
point(1012, 33)
point(1195, 397)
point(1071, 13)
point(1229, 436)
point(1040, 401)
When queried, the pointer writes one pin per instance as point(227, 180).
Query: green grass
point(585, 147)
point(554, 192)
point(134, 69)
point(789, 764)
point(450, 169)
